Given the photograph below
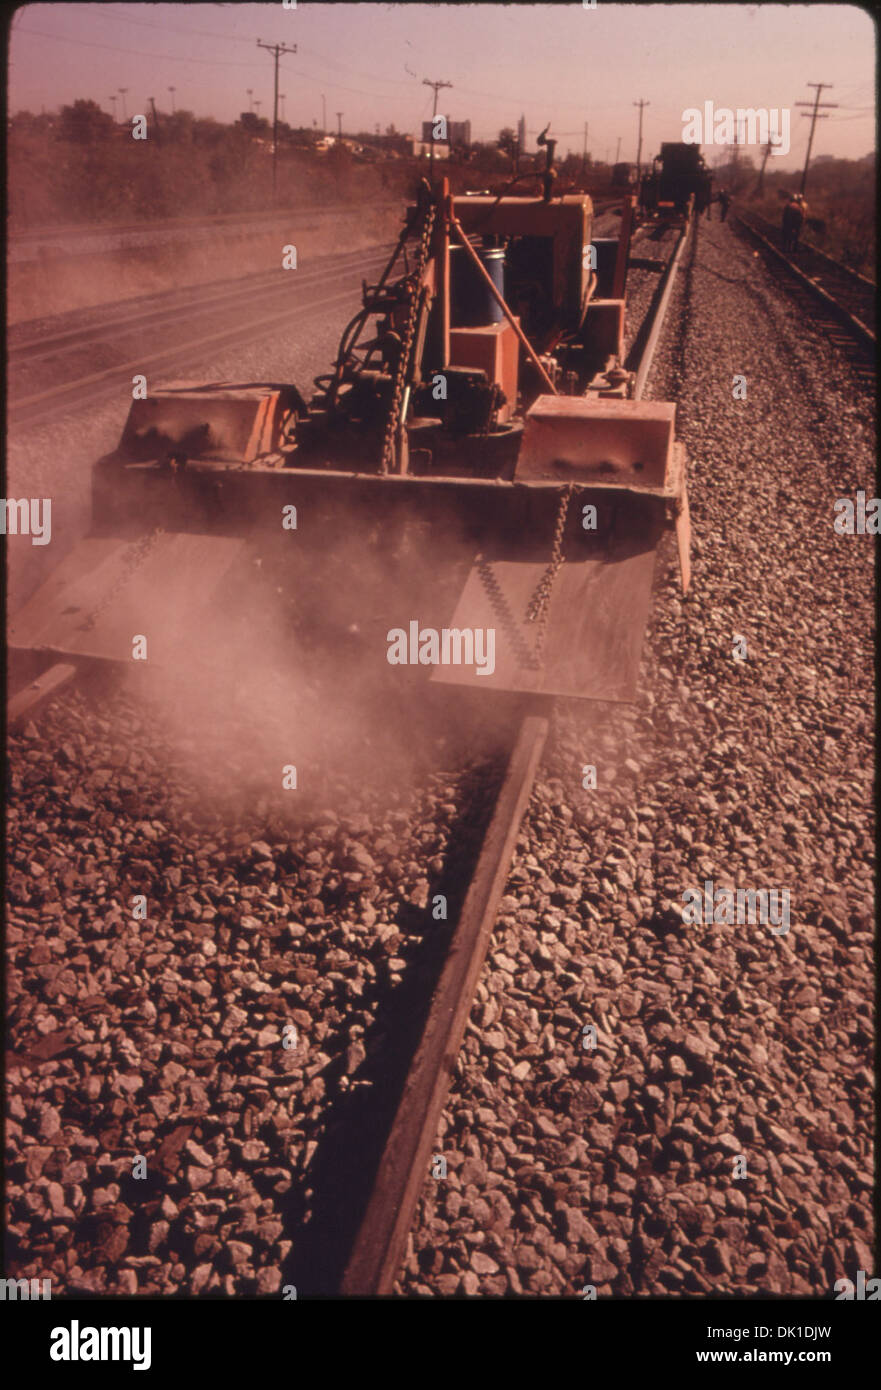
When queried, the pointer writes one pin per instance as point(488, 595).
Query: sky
point(562, 64)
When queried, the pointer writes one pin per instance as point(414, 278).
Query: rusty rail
point(855, 326)
point(378, 1250)
point(37, 692)
point(650, 335)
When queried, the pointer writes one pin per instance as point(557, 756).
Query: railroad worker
point(786, 224)
point(801, 215)
point(793, 217)
point(724, 202)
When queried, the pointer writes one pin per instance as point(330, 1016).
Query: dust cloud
point(287, 667)
point(55, 284)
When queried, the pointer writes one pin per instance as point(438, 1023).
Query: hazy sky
point(557, 63)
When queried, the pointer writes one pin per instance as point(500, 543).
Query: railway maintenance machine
point(477, 435)
point(679, 177)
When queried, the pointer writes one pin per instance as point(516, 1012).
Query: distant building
point(458, 132)
point(441, 150)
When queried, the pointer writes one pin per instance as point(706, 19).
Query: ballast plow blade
point(568, 609)
point(596, 619)
point(108, 591)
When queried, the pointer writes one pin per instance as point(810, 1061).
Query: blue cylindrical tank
point(471, 304)
point(493, 259)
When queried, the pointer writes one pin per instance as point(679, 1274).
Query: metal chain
point(537, 608)
point(391, 423)
point(136, 557)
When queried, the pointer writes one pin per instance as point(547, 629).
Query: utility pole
point(114, 99)
point(339, 125)
point(814, 118)
point(152, 101)
point(584, 151)
point(172, 90)
point(618, 151)
point(436, 86)
point(323, 115)
point(277, 49)
point(640, 104)
point(122, 92)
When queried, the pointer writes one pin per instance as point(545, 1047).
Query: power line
point(436, 86)
point(815, 116)
point(171, 28)
point(138, 52)
point(640, 104)
point(205, 62)
point(276, 50)
point(240, 38)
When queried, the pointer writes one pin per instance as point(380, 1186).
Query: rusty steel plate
point(596, 620)
point(108, 591)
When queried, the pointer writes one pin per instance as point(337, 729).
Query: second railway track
point(147, 336)
point(838, 299)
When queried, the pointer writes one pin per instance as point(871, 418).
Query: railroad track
point(839, 300)
point(207, 309)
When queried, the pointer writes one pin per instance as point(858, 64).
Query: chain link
point(537, 608)
point(391, 423)
point(138, 553)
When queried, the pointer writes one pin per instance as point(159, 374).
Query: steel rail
point(862, 281)
point(643, 351)
point(205, 298)
point(859, 330)
point(377, 1253)
point(101, 386)
point(38, 692)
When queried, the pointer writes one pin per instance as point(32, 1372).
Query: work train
point(481, 384)
point(677, 173)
